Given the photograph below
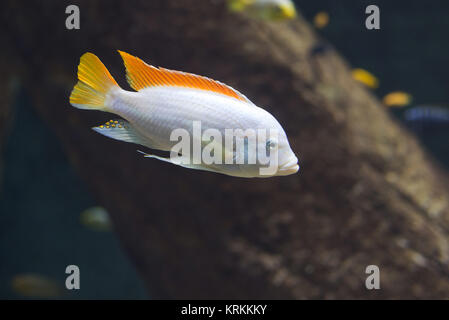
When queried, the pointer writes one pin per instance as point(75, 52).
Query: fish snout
point(290, 167)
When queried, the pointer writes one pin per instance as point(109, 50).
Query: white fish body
point(168, 100)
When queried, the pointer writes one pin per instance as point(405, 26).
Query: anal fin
point(180, 163)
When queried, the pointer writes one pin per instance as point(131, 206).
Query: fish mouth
point(290, 167)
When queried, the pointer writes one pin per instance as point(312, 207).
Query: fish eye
point(272, 144)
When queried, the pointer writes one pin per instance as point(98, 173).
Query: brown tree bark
point(366, 193)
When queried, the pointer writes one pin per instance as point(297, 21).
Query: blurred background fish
point(33, 285)
point(430, 123)
point(321, 20)
point(397, 99)
point(427, 118)
point(96, 218)
point(365, 77)
point(275, 10)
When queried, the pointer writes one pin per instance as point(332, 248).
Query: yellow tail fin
point(94, 83)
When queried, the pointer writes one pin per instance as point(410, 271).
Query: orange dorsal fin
point(141, 75)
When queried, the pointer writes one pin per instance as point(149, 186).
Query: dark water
point(409, 53)
point(41, 196)
point(40, 231)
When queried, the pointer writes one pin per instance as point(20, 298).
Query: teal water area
point(409, 53)
point(40, 230)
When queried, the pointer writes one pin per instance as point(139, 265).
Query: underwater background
point(42, 197)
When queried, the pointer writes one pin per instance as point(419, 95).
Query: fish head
point(275, 146)
point(283, 156)
point(287, 160)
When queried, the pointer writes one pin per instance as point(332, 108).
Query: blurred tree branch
point(366, 193)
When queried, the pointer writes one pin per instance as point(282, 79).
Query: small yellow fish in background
point(96, 218)
point(239, 5)
point(365, 77)
point(397, 99)
point(34, 285)
point(275, 10)
point(321, 20)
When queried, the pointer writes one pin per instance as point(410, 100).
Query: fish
point(96, 218)
point(427, 116)
point(34, 285)
point(321, 20)
point(365, 77)
point(275, 10)
point(168, 107)
point(397, 99)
